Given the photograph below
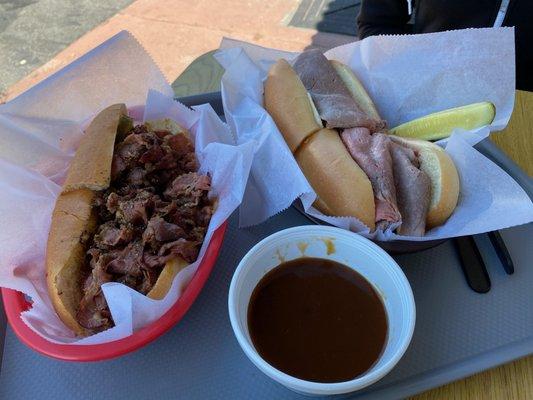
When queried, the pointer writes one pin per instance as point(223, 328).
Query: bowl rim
point(301, 385)
point(15, 303)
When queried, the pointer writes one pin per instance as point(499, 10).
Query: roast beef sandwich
point(133, 209)
point(342, 146)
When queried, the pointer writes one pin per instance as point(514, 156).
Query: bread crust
point(356, 89)
point(74, 219)
point(445, 186)
point(289, 104)
point(343, 188)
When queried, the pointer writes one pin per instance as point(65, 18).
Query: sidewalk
point(175, 32)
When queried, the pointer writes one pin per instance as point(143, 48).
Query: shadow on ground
point(332, 16)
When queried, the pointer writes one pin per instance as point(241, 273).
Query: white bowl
point(347, 248)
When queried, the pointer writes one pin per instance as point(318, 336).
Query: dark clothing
point(378, 17)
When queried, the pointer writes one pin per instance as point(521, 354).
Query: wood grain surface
point(510, 381)
point(517, 139)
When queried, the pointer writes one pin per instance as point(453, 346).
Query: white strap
point(499, 18)
point(501, 13)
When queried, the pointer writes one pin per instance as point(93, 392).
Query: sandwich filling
point(335, 105)
point(156, 209)
point(402, 191)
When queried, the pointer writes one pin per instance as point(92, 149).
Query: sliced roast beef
point(150, 276)
point(188, 186)
point(137, 176)
point(413, 190)
point(188, 163)
point(135, 211)
point(152, 154)
point(118, 166)
point(333, 100)
point(112, 202)
point(184, 248)
point(131, 149)
point(158, 230)
point(110, 235)
point(167, 161)
point(93, 313)
point(204, 216)
point(180, 144)
point(129, 261)
point(372, 154)
point(156, 209)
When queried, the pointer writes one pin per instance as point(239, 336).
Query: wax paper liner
point(407, 77)
point(39, 132)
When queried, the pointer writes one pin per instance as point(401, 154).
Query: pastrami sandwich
point(341, 144)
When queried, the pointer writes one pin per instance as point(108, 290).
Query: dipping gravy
point(317, 320)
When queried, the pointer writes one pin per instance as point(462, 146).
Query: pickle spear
point(440, 125)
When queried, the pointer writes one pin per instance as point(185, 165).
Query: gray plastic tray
point(458, 332)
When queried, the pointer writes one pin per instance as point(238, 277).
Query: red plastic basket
point(15, 303)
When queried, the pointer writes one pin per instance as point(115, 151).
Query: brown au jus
point(317, 320)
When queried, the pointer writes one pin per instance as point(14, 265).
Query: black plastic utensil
point(472, 264)
point(502, 252)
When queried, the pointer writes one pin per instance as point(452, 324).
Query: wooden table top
point(510, 381)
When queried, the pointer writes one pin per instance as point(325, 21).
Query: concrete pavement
point(32, 32)
point(175, 32)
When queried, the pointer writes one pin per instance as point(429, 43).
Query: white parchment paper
point(407, 77)
point(39, 132)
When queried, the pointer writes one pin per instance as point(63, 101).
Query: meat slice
point(158, 230)
point(135, 211)
point(152, 155)
point(185, 249)
point(109, 235)
point(137, 176)
point(93, 313)
point(129, 262)
point(150, 276)
point(155, 209)
point(372, 154)
point(181, 144)
point(413, 190)
point(127, 153)
point(191, 186)
point(332, 98)
point(112, 202)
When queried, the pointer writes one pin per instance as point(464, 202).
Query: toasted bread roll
point(342, 187)
point(164, 282)
point(289, 105)
point(91, 165)
point(356, 88)
point(72, 221)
